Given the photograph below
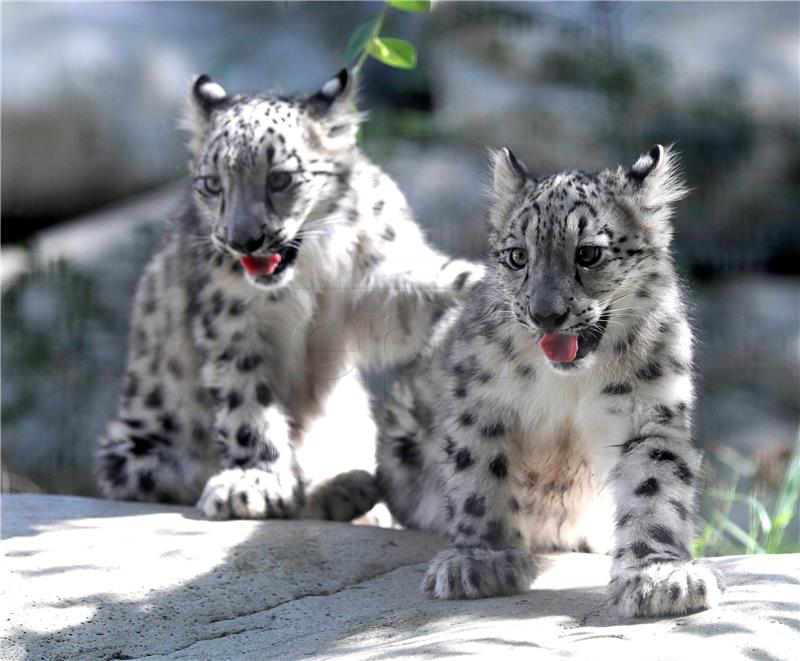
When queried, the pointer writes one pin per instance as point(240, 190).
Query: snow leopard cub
point(295, 258)
point(563, 394)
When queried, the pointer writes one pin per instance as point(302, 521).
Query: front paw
point(250, 494)
point(666, 588)
point(343, 498)
point(473, 573)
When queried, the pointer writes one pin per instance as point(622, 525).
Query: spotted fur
point(507, 452)
point(242, 392)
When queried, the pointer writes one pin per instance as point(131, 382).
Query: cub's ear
point(655, 182)
point(333, 113)
point(338, 89)
point(206, 94)
point(509, 173)
point(204, 97)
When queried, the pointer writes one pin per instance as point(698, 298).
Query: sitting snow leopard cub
point(563, 395)
point(294, 257)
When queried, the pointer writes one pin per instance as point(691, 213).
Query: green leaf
point(393, 52)
point(359, 39)
point(419, 6)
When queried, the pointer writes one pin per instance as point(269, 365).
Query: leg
point(138, 460)
point(259, 480)
point(653, 573)
point(488, 556)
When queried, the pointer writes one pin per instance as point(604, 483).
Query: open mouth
point(566, 350)
point(272, 265)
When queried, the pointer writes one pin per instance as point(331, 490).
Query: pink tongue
point(560, 348)
point(262, 265)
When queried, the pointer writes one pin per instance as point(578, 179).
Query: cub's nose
point(246, 244)
point(549, 319)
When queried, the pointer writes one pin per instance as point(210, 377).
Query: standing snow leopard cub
point(564, 392)
point(294, 259)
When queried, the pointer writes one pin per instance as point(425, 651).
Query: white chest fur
point(565, 445)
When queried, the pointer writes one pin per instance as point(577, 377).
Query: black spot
point(449, 508)
point(246, 435)
point(683, 472)
point(662, 415)
point(167, 497)
point(625, 344)
point(268, 453)
point(631, 443)
point(263, 394)
point(131, 386)
point(680, 508)
point(676, 365)
point(406, 450)
point(465, 529)
point(643, 292)
point(475, 505)
point(499, 466)
point(146, 481)
point(227, 355)
point(169, 423)
point(460, 392)
point(494, 429)
point(640, 549)
point(463, 459)
point(659, 454)
point(649, 487)
point(621, 388)
point(249, 362)
point(494, 532)
point(236, 307)
point(649, 372)
point(467, 419)
point(388, 233)
point(144, 444)
point(217, 302)
point(175, 368)
point(154, 399)
point(235, 399)
point(526, 371)
point(114, 469)
point(133, 423)
point(662, 535)
point(514, 505)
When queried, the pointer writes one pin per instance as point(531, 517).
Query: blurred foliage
point(367, 40)
point(771, 505)
point(63, 351)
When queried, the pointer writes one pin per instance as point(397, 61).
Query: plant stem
point(375, 32)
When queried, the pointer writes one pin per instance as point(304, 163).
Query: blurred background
point(92, 162)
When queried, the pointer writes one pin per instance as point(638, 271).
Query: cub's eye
point(210, 185)
point(587, 256)
point(278, 181)
point(516, 258)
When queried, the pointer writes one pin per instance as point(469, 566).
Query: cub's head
point(578, 256)
point(266, 167)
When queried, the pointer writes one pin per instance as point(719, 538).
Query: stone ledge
point(92, 579)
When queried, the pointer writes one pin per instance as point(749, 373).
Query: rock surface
point(90, 579)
